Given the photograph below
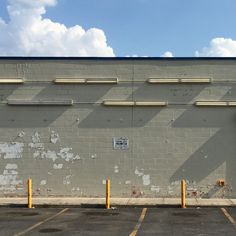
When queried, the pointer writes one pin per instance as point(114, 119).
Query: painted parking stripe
point(229, 217)
point(138, 225)
point(41, 222)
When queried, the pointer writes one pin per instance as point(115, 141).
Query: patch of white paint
point(155, 188)
point(11, 166)
point(116, 169)
point(127, 182)
point(36, 137)
point(75, 189)
point(191, 189)
point(36, 145)
point(103, 181)
point(36, 142)
point(176, 183)
point(11, 150)
point(9, 179)
point(36, 154)
point(139, 173)
point(93, 156)
point(10, 172)
point(170, 190)
point(40, 151)
point(76, 157)
point(54, 137)
point(21, 134)
point(49, 155)
point(43, 182)
point(57, 166)
point(146, 180)
point(66, 154)
point(66, 179)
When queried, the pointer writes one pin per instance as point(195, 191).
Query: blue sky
point(149, 27)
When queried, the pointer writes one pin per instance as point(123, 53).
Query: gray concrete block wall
point(68, 150)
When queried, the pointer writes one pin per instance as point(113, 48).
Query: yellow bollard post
point(29, 193)
point(108, 194)
point(183, 194)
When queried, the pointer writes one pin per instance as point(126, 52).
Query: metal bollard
point(108, 194)
point(183, 194)
point(29, 193)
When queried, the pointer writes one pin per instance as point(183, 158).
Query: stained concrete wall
point(68, 150)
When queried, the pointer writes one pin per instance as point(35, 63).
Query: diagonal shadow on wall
point(219, 149)
point(124, 117)
point(43, 116)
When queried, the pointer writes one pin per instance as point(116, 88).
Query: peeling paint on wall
point(146, 179)
point(49, 155)
point(67, 155)
point(139, 173)
point(40, 152)
point(75, 189)
point(9, 179)
point(54, 137)
point(36, 143)
point(11, 150)
point(36, 138)
point(155, 188)
point(21, 134)
point(43, 182)
point(57, 166)
point(116, 169)
point(66, 179)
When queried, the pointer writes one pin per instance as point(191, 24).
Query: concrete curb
point(116, 202)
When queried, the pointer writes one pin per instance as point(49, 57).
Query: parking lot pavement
point(121, 221)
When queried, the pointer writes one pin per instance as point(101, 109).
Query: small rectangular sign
point(120, 143)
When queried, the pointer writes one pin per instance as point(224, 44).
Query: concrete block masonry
point(70, 151)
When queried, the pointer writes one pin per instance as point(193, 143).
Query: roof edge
point(114, 58)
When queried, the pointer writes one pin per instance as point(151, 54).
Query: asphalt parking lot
point(121, 221)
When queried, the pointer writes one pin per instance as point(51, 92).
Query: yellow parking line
point(137, 226)
point(41, 222)
point(229, 217)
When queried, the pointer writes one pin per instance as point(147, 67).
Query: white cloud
point(29, 34)
point(167, 54)
point(219, 47)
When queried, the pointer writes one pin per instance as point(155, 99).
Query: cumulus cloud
point(167, 54)
point(28, 33)
point(219, 47)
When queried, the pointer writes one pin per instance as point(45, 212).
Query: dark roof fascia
point(119, 58)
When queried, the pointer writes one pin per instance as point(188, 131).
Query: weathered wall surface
point(68, 150)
